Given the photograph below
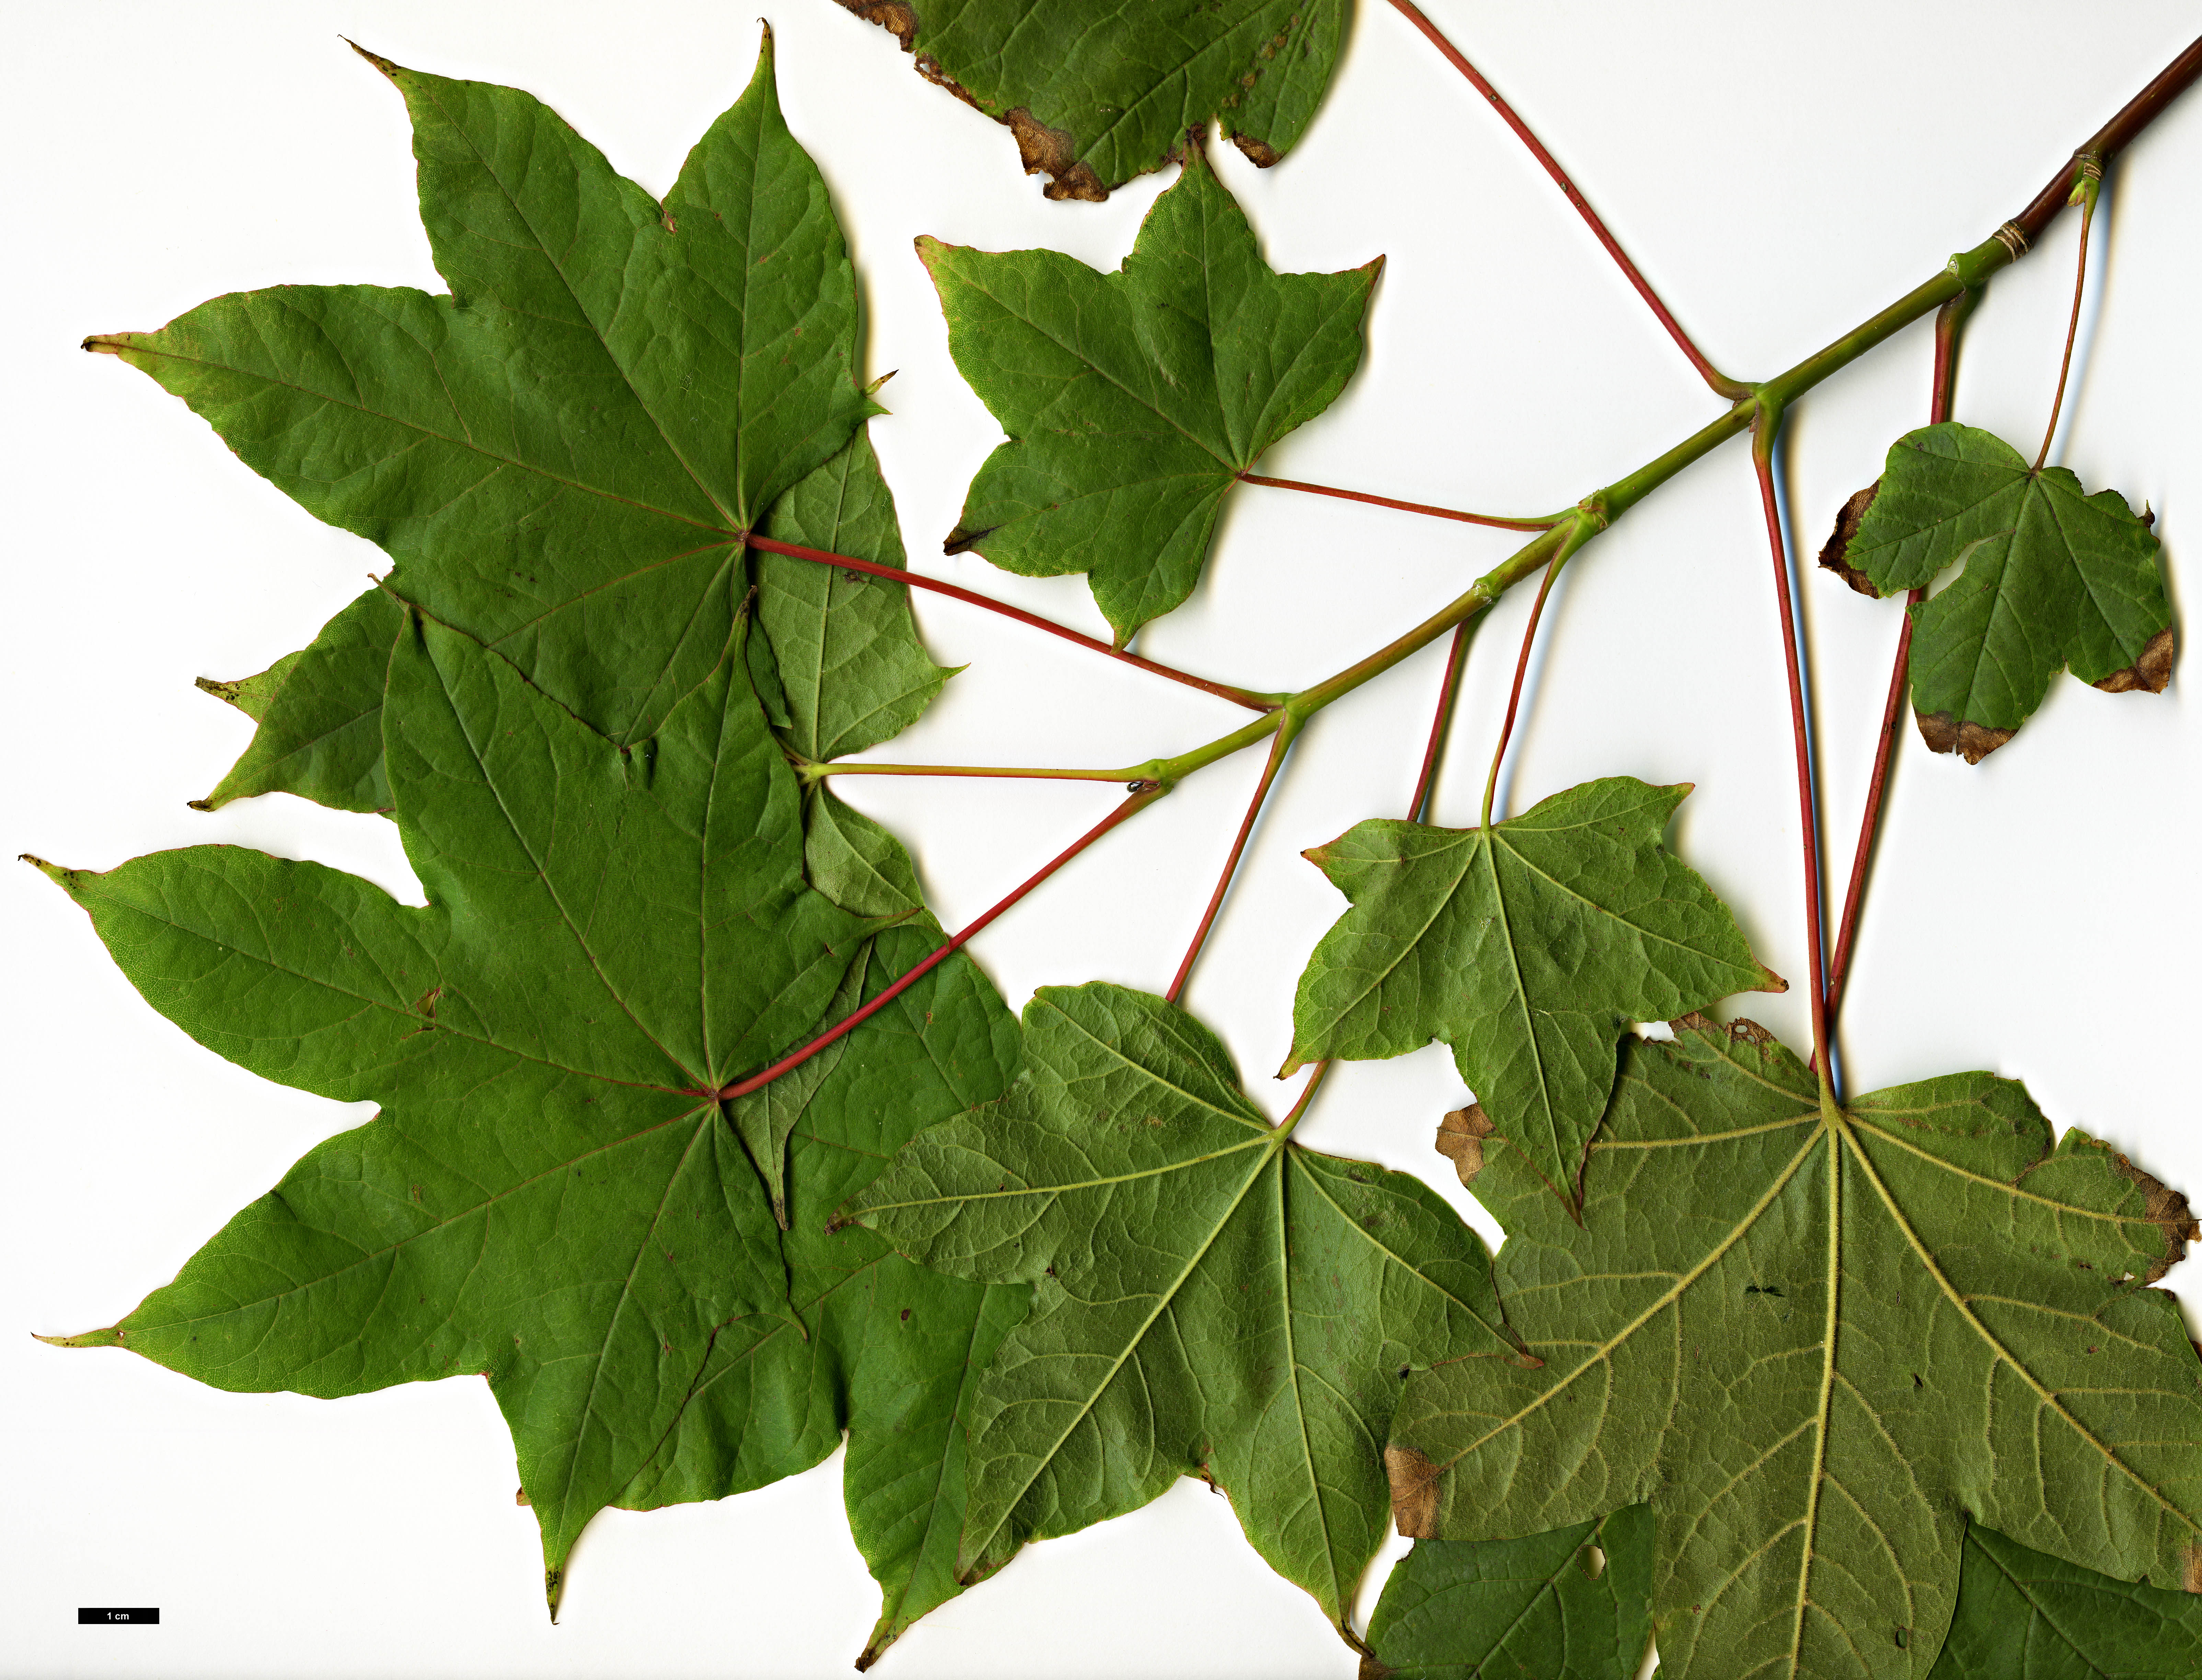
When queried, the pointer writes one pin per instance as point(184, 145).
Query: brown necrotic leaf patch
point(1834, 553)
point(1971, 742)
point(2151, 671)
point(1460, 1140)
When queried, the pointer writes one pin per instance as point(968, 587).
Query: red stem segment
point(1521, 670)
point(794, 1058)
point(1762, 460)
point(1277, 750)
point(1948, 322)
point(1448, 697)
point(1251, 701)
point(1712, 376)
point(1545, 524)
point(2072, 329)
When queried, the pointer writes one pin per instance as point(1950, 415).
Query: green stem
point(817, 773)
point(1594, 514)
point(1967, 271)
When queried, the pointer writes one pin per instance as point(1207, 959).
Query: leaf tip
point(376, 59)
point(105, 344)
point(66, 879)
point(1769, 981)
point(110, 1337)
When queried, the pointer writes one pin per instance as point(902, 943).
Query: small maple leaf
point(1233, 1303)
point(1134, 400)
point(1529, 948)
point(1816, 1341)
point(2053, 577)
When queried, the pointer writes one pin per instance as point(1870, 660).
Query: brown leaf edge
point(2151, 672)
point(1043, 151)
point(2168, 1210)
point(1972, 741)
point(1834, 553)
point(1944, 732)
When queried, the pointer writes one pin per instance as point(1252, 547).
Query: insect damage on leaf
point(1814, 1342)
point(1097, 96)
point(1529, 948)
point(1204, 1286)
point(2053, 579)
point(1134, 400)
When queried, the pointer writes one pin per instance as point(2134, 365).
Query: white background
point(1779, 172)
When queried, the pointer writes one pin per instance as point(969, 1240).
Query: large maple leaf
point(1095, 95)
point(565, 454)
point(1816, 1341)
point(1212, 1298)
point(1134, 400)
point(1528, 947)
point(550, 1195)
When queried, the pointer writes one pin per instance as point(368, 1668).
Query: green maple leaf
point(892, 1350)
point(2053, 578)
point(550, 1195)
point(850, 664)
point(2023, 1615)
point(1817, 1343)
point(848, 668)
point(1096, 95)
point(319, 715)
point(565, 454)
point(1134, 400)
point(1529, 948)
point(1574, 1604)
point(1212, 1297)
